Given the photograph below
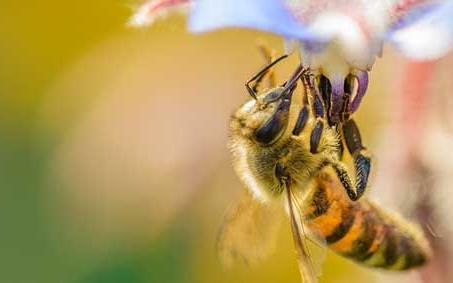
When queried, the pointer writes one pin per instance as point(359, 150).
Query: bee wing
point(249, 231)
point(310, 249)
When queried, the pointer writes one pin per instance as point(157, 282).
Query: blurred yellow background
point(113, 158)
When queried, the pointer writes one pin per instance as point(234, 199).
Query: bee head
point(265, 119)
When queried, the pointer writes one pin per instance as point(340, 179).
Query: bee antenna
point(259, 76)
point(290, 84)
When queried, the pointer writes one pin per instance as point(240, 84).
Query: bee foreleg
point(316, 135)
point(352, 137)
point(362, 161)
point(318, 107)
point(345, 112)
point(313, 97)
point(345, 178)
point(304, 113)
point(325, 89)
point(301, 121)
point(314, 100)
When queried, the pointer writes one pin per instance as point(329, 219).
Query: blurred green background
point(113, 158)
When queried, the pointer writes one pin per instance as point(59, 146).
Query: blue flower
point(337, 38)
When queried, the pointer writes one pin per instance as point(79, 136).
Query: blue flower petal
point(427, 37)
point(413, 15)
point(267, 15)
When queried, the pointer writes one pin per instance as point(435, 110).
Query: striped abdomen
point(362, 231)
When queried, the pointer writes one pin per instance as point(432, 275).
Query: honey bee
point(287, 156)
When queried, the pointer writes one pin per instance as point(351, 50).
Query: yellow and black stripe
point(362, 231)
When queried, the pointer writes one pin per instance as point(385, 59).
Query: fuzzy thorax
point(257, 165)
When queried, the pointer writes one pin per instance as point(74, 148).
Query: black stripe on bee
point(390, 246)
point(320, 203)
point(361, 246)
point(347, 220)
point(412, 255)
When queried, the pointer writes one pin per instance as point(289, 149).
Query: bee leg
point(317, 130)
point(304, 113)
point(313, 97)
point(316, 133)
point(345, 178)
point(301, 120)
point(362, 161)
point(258, 77)
point(318, 107)
point(340, 149)
point(324, 88)
point(345, 112)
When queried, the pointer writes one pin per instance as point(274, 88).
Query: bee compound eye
point(274, 127)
